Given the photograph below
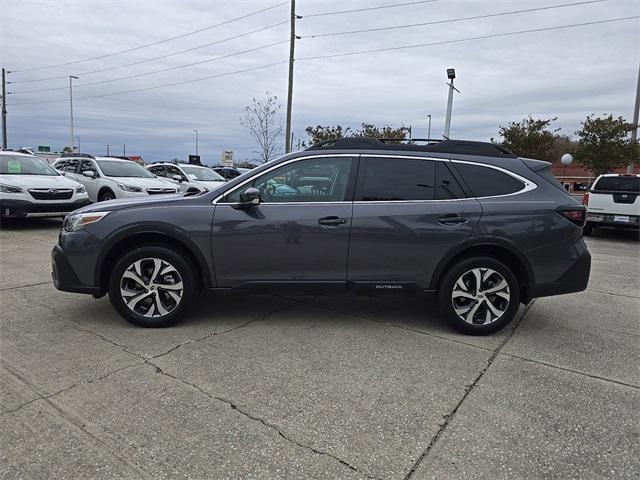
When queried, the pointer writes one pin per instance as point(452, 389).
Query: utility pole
point(124, 150)
point(634, 132)
point(451, 75)
point(4, 110)
point(79, 149)
point(71, 77)
point(429, 128)
point(292, 47)
point(196, 132)
point(107, 149)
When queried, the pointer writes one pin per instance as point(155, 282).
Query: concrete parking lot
point(263, 386)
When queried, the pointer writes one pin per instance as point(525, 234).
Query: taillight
point(576, 214)
point(585, 199)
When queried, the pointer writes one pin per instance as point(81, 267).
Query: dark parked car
point(229, 173)
point(467, 222)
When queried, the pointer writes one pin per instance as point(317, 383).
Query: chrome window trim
point(292, 160)
point(528, 184)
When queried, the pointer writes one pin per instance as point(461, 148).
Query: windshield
point(23, 165)
point(123, 168)
point(203, 174)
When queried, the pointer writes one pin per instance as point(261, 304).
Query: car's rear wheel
point(479, 295)
point(153, 286)
point(106, 195)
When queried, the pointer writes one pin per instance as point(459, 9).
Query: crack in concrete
point(577, 372)
point(6, 289)
point(615, 294)
point(255, 418)
point(468, 390)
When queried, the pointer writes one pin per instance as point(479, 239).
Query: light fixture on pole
point(196, 132)
point(451, 75)
point(71, 78)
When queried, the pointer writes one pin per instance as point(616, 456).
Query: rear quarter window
point(488, 182)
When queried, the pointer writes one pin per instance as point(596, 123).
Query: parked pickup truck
point(613, 202)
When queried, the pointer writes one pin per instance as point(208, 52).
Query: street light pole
point(196, 132)
point(71, 77)
point(634, 132)
point(451, 75)
point(79, 149)
point(4, 110)
point(429, 128)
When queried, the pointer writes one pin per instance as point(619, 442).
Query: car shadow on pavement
point(27, 224)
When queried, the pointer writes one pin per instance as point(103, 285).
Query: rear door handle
point(331, 221)
point(452, 219)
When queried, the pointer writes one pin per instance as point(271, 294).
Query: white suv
point(29, 187)
point(613, 202)
point(106, 178)
point(189, 178)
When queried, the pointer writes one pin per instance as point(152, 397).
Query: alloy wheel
point(480, 296)
point(151, 287)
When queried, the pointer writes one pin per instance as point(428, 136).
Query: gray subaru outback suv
point(468, 223)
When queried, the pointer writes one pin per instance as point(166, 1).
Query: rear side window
point(618, 184)
point(388, 179)
point(488, 182)
point(447, 186)
point(72, 165)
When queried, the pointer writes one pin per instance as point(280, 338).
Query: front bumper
point(22, 208)
point(64, 277)
point(574, 279)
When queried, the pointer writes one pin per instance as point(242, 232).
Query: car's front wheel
point(479, 295)
point(153, 286)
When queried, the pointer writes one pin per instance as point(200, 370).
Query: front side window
point(488, 182)
point(24, 165)
point(311, 180)
point(174, 171)
point(71, 166)
point(157, 170)
point(395, 179)
point(87, 165)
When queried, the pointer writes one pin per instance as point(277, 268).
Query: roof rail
point(463, 147)
point(75, 154)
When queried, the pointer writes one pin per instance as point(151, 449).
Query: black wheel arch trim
point(153, 228)
point(480, 242)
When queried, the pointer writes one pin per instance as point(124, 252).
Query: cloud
point(565, 73)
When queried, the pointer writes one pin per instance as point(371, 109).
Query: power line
point(367, 8)
point(226, 22)
point(341, 55)
point(437, 22)
point(198, 47)
point(480, 37)
point(144, 74)
point(251, 69)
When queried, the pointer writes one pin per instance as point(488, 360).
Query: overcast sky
point(567, 73)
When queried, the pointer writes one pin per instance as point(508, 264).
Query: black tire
point(466, 266)
point(587, 230)
point(186, 272)
point(106, 195)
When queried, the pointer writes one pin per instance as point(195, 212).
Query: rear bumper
point(574, 279)
point(22, 209)
point(613, 220)
point(64, 277)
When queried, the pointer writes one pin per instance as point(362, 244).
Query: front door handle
point(452, 219)
point(331, 221)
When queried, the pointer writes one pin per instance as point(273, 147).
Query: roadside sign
point(227, 158)
point(194, 159)
point(44, 148)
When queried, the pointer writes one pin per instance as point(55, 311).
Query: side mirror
point(177, 178)
point(89, 174)
point(248, 198)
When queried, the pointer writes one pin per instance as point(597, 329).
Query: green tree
point(604, 144)
point(321, 133)
point(530, 138)
point(67, 150)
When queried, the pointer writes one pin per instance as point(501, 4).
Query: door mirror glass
point(177, 178)
point(89, 174)
point(251, 196)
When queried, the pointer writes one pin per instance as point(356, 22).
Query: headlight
point(10, 189)
point(81, 189)
point(129, 188)
point(75, 222)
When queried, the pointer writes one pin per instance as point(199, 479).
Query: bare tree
point(262, 119)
